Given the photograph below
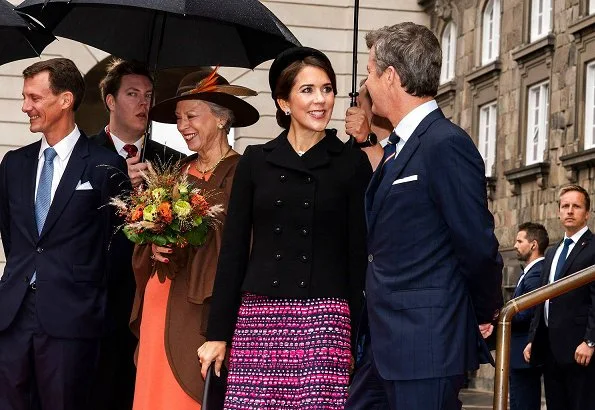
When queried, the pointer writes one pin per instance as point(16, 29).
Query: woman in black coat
point(293, 259)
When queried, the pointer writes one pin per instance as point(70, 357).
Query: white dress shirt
point(575, 238)
point(119, 144)
point(63, 150)
point(411, 121)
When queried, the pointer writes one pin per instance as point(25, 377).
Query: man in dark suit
point(562, 334)
point(55, 231)
point(126, 90)
point(434, 275)
point(525, 381)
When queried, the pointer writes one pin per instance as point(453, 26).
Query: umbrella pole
point(354, 93)
point(155, 73)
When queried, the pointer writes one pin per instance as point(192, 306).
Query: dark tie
point(131, 150)
point(43, 199)
point(390, 149)
point(562, 258)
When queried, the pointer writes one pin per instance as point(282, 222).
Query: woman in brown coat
point(169, 318)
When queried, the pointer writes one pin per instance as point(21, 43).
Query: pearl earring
point(287, 112)
point(220, 126)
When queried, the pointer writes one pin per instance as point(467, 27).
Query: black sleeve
point(234, 254)
point(357, 238)
point(4, 215)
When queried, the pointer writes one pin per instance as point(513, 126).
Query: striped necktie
point(390, 149)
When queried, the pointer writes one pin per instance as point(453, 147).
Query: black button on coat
point(320, 250)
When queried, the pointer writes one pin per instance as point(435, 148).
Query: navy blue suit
point(434, 270)
point(571, 319)
point(525, 380)
point(55, 329)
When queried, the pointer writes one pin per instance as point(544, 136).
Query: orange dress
point(156, 387)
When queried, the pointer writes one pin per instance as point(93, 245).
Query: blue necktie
point(44, 192)
point(562, 258)
point(390, 149)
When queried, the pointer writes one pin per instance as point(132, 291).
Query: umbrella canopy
point(20, 37)
point(169, 33)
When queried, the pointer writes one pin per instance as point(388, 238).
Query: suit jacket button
point(283, 178)
point(39, 249)
point(275, 283)
point(303, 284)
point(306, 204)
point(370, 258)
point(304, 258)
point(278, 229)
point(278, 257)
point(305, 232)
point(279, 202)
point(309, 180)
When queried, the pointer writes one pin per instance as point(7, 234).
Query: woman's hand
point(211, 352)
point(160, 253)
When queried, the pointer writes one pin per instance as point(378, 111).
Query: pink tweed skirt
point(289, 354)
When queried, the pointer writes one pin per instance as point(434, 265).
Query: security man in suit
point(525, 381)
point(434, 274)
point(562, 334)
point(126, 90)
point(55, 231)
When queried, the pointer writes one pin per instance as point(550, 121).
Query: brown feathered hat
point(207, 85)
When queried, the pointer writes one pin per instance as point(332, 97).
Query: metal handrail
point(571, 282)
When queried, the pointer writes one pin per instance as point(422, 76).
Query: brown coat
point(191, 289)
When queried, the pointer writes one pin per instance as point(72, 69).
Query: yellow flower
point(182, 208)
point(159, 194)
point(150, 213)
point(183, 189)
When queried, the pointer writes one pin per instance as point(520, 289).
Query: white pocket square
point(406, 179)
point(83, 186)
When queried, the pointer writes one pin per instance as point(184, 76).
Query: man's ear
point(66, 99)
point(110, 101)
point(392, 77)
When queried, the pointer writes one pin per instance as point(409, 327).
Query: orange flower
point(200, 204)
point(164, 210)
point(137, 214)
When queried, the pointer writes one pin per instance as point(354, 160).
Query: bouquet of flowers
point(166, 210)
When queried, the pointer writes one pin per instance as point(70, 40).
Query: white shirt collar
point(64, 147)
point(119, 144)
point(409, 123)
point(575, 238)
point(530, 265)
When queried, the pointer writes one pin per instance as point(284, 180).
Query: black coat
point(153, 152)
point(295, 228)
point(572, 315)
point(121, 277)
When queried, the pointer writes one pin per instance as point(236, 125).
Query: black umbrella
point(20, 36)
point(169, 33)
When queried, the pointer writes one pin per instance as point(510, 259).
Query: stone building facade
point(522, 87)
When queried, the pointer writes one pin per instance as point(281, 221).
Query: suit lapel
point(72, 175)
point(379, 187)
point(105, 141)
point(578, 247)
point(385, 182)
point(547, 264)
point(30, 170)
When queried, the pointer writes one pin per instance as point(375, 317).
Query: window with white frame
point(486, 143)
point(537, 122)
point(590, 106)
point(591, 6)
point(490, 39)
point(541, 18)
point(449, 49)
